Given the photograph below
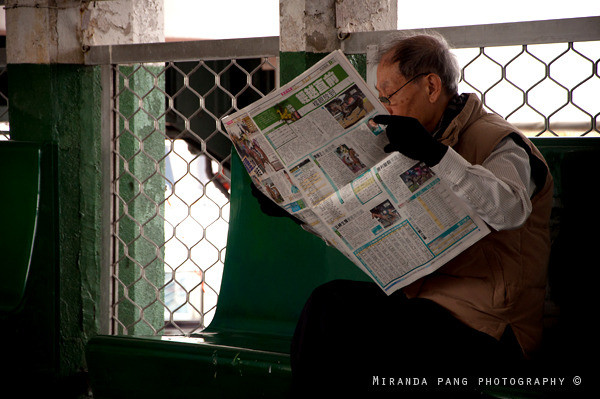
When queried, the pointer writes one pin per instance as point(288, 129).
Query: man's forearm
point(499, 190)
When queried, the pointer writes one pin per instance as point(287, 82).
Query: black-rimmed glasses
point(386, 100)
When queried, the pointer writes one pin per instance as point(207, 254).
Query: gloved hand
point(409, 137)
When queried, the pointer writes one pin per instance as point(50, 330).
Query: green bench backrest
point(574, 163)
point(19, 196)
point(271, 266)
point(567, 156)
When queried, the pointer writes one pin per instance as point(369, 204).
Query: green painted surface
point(20, 192)
point(141, 185)
point(183, 369)
point(272, 266)
point(58, 105)
point(293, 64)
point(359, 61)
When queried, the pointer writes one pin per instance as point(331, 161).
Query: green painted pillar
point(58, 104)
point(292, 64)
point(141, 193)
point(56, 100)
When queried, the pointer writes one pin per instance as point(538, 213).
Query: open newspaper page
point(312, 147)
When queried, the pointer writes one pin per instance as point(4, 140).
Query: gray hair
point(418, 53)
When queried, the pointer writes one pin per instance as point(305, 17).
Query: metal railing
point(169, 157)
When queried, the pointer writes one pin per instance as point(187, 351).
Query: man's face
point(411, 101)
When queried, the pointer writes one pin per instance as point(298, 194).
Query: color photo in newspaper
point(313, 148)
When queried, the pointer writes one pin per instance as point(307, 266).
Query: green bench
point(271, 267)
point(20, 195)
point(28, 266)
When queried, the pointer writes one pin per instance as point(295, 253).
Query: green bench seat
point(20, 195)
point(28, 265)
point(271, 267)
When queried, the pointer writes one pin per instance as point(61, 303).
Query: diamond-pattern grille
point(171, 188)
point(546, 90)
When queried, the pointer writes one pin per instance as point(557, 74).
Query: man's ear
point(434, 87)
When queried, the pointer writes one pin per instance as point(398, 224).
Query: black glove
point(409, 137)
point(268, 207)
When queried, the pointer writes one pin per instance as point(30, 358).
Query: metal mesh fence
point(171, 161)
point(171, 188)
point(546, 90)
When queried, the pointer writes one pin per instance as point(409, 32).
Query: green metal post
point(141, 190)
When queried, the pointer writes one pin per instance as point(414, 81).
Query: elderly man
point(483, 308)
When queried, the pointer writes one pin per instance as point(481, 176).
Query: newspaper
point(312, 147)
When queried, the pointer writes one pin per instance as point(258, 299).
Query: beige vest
point(501, 280)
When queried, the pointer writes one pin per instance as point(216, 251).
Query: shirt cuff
point(452, 167)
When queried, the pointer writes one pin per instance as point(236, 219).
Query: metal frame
point(504, 34)
point(183, 51)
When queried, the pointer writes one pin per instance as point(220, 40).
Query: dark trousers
point(351, 336)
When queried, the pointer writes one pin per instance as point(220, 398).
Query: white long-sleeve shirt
point(499, 190)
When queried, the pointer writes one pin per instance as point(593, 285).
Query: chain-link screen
point(171, 188)
point(546, 90)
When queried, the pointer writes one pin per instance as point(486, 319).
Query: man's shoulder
point(482, 134)
point(488, 126)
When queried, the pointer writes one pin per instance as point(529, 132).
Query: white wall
point(220, 19)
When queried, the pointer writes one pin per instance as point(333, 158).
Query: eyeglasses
point(386, 100)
